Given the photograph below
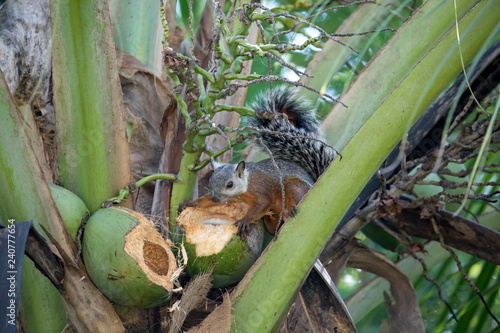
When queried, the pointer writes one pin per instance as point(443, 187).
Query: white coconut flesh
point(210, 226)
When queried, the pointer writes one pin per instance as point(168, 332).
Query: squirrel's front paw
point(243, 227)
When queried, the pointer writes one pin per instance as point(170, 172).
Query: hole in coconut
point(155, 257)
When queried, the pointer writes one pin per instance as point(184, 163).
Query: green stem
point(241, 110)
point(164, 23)
point(165, 176)
point(178, 96)
point(199, 77)
point(206, 161)
point(208, 76)
point(242, 30)
point(238, 63)
point(194, 96)
point(183, 190)
point(242, 77)
point(132, 187)
point(259, 16)
point(257, 49)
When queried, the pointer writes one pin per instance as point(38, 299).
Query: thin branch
point(273, 78)
point(435, 283)
point(272, 16)
point(221, 132)
point(462, 271)
point(260, 130)
point(453, 185)
point(191, 30)
point(284, 64)
point(283, 201)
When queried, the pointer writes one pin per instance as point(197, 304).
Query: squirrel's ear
point(240, 168)
point(215, 164)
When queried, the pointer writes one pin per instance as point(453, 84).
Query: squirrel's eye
point(229, 184)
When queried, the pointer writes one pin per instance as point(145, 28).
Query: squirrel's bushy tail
point(293, 144)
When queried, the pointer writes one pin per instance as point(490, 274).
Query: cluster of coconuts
point(133, 265)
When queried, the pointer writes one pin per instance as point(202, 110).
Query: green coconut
point(72, 209)
point(210, 239)
point(127, 258)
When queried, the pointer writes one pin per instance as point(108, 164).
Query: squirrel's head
point(227, 181)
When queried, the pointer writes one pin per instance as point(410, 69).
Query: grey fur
point(312, 155)
point(223, 176)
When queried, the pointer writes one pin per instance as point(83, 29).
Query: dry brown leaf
point(388, 206)
point(219, 321)
point(404, 312)
point(194, 294)
point(146, 97)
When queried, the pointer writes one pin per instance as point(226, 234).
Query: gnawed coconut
point(127, 258)
point(210, 239)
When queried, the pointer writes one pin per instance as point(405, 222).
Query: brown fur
point(265, 199)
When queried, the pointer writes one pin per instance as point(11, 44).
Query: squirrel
point(299, 159)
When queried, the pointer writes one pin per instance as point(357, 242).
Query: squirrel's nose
point(215, 198)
